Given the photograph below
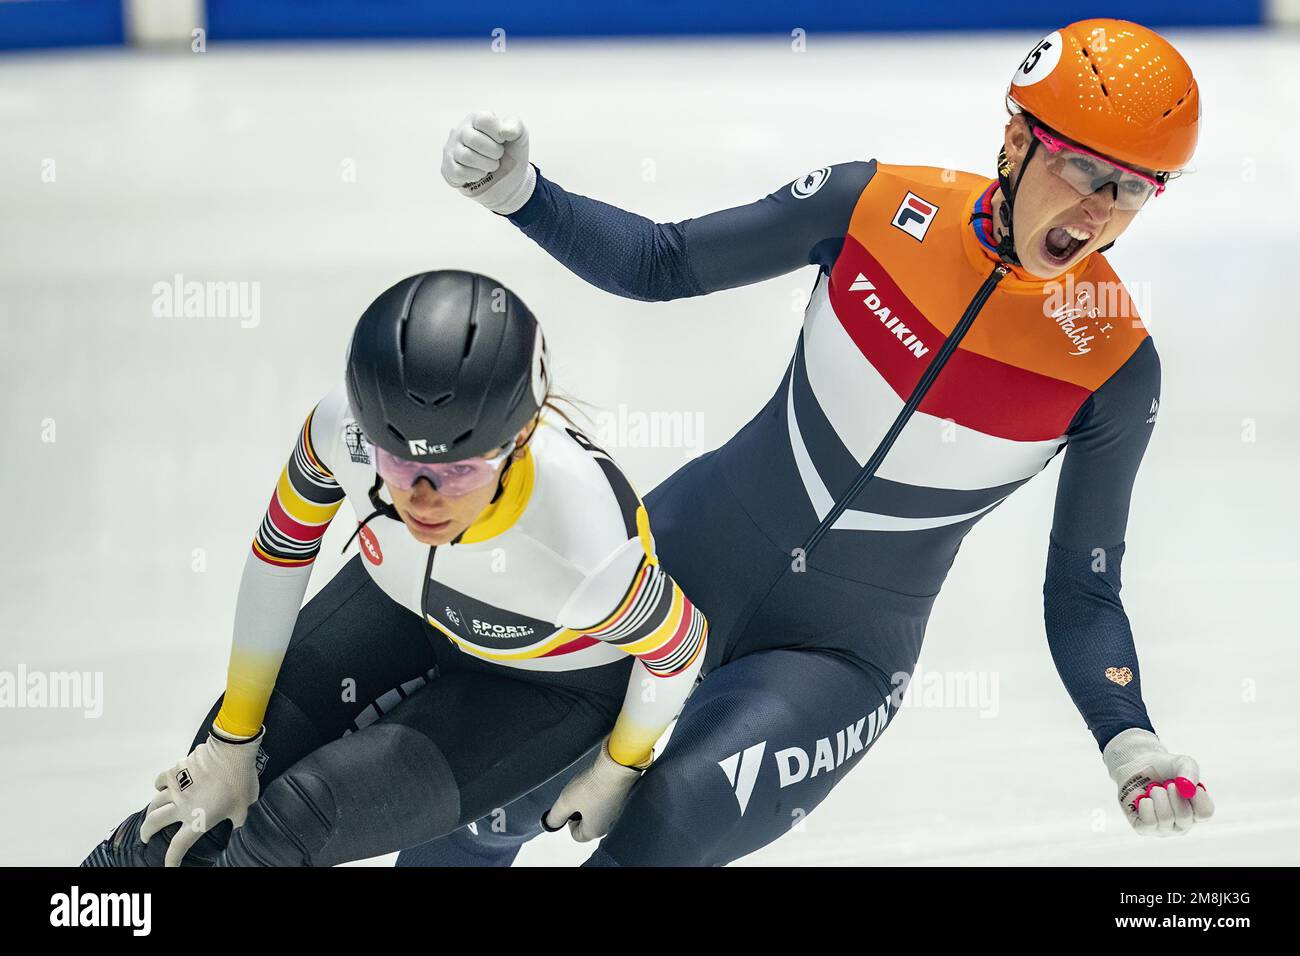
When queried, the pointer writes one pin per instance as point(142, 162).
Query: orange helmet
point(1115, 87)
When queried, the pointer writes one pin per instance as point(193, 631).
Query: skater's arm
point(1087, 629)
point(639, 608)
point(669, 650)
point(635, 257)
point(275, 578)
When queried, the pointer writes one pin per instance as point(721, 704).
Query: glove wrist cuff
point(225, 737)
point(608, 758)
point(518, 197)
point(1130, 745)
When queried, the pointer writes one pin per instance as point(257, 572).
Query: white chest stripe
point(852, 520)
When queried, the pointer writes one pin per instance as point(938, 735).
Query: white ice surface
point(170, 432)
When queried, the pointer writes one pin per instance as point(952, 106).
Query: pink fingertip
point(1147, 792)
point(1186, 789)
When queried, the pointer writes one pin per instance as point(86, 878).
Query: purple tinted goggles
point(450, 478)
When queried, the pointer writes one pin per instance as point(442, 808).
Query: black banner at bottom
point(363, 905)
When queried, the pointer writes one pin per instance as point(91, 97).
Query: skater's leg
point(758, 746)
point(496, 839)
point(354, 654)
point(465, 745)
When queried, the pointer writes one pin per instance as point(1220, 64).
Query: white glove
point(592, 800)
point(217, 781)
point(486, 159)
point(1160, 793)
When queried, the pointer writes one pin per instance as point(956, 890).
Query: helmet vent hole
point(443, 399)
point(419, 400)
point(464, 437)
point(469, 340)
point(396, 434)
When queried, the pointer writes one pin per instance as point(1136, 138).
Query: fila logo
point(794, 764)
point(887, 318)
point(421, 446)
point(1155, 408)
point(183, 779)
point(915, 215)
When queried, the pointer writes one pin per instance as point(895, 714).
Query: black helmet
point(446, 365)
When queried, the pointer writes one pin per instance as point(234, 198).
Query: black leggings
point(804, 673)
point(381, 734)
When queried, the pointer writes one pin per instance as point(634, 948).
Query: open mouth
point(1062, 243)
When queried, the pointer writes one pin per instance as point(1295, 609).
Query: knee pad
point(376, 791)
point(289, 825)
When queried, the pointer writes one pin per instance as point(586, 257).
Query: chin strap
point(1006, 249)
point(1006, 208)
point(381, 507)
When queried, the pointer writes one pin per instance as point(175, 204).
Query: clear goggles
point(450, 478)
point(1087, 172)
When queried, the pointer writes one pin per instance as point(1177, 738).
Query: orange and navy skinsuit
point(901, 253)
point(810, 649)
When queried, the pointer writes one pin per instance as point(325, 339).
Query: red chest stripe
point(993, 397)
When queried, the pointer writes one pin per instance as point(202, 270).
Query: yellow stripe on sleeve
point(298, 507)
point(664, 632)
